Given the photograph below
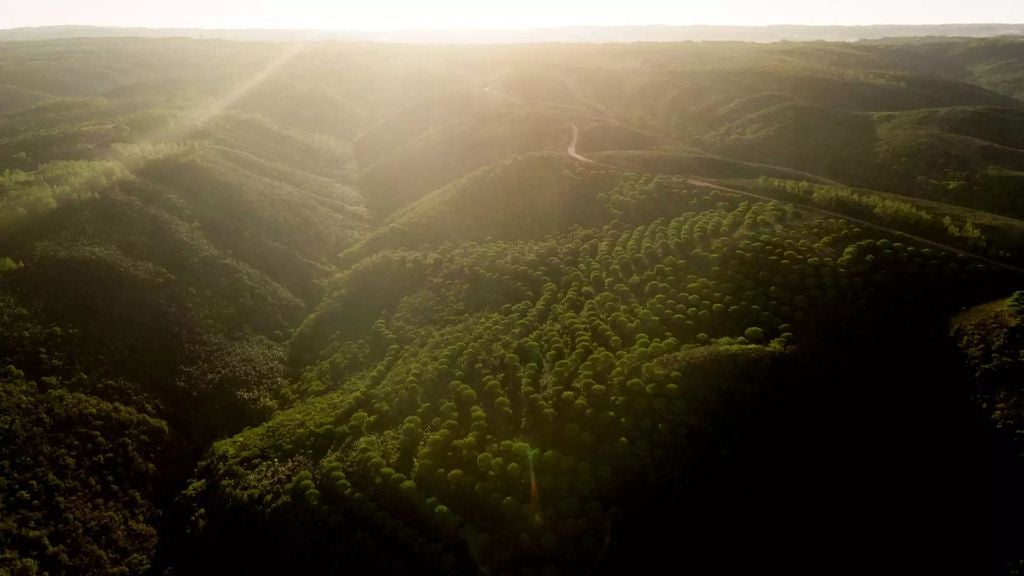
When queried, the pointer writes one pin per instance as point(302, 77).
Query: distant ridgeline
point(352, 307)
point(525, 36)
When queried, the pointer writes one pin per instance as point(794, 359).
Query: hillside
point(420, 117)
point(965, 156)
point(353, 307)
point(991, 341)
point(153, 268)
point(444, 154)
point(529, 197)
point(990, 336)
point(496, 393)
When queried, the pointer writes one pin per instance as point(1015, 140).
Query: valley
point(350, 307)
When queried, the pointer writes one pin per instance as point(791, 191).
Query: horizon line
point(500, 29)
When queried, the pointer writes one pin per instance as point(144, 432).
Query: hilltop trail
point(571, 150)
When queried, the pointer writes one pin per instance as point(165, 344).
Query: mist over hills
point(595, 34)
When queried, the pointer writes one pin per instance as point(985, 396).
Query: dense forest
point(542, 309)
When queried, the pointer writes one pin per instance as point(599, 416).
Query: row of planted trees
point(506, 427)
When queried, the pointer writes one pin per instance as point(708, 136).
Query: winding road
point(571, 150)
point(575, 154)
point(572, 146)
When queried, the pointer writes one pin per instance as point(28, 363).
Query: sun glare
point(465, 14)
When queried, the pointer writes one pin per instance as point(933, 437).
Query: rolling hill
point(345, 307)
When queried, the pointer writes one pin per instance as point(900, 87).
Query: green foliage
point(513, 344)
point(24, 195)
point(521, 382)
point(80, 460)
point(754, 334)
point(1017, 302)
point(991, 338)
point(7, 264)
point(528, 197)
point(888, 211)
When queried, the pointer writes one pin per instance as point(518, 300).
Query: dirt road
point(573, 153)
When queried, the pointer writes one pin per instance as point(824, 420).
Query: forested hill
point(335, 307)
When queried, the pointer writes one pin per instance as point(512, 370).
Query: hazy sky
point(404, 14)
